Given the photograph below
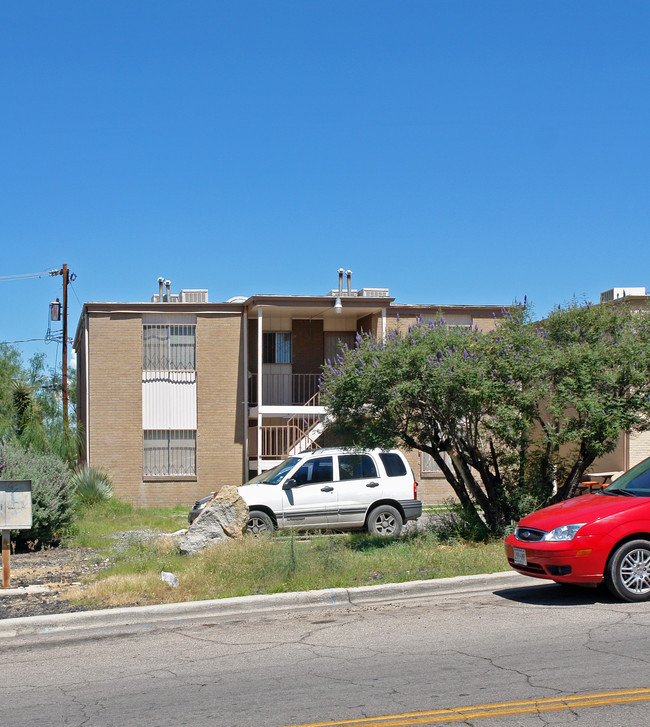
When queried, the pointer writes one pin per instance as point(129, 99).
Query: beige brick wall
point(406, 319)
point(639, 448)
point(485, 324)
point(220, 397)
point(115, 395)
point(432, 490)
point(115, 400)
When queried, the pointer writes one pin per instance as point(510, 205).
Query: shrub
point(91, 486)
point(459, 524)
point(52, 508)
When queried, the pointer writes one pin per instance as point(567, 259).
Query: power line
point(75, 292)
point(25, 276)
point(24, 340)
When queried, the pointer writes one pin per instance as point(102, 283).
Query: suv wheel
point(259, 523)
point(385, 520)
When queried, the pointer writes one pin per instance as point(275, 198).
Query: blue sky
point(453, 151)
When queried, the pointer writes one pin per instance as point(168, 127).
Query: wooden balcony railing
point(292, 389)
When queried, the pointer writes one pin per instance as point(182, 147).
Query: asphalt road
point(513, 652)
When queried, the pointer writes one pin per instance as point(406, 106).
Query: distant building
point(632, 448)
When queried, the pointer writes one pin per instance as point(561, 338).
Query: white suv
point(335, 489)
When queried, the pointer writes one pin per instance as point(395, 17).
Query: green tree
point(522, 410)
point(10, 372)
point(46, 386)
point(597, 371)
point(30, 406)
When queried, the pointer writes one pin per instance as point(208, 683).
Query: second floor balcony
point(285, 389)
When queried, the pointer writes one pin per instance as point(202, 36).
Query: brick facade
point(220, 398)
point(115, 402)
point(111, 384)
point(639, 448)
point(114, 415)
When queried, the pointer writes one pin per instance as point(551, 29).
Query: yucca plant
point(91, 485)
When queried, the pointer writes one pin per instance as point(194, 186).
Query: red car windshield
point(635, 482)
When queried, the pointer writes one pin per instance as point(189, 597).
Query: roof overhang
point(162, 308)
point(315, 306)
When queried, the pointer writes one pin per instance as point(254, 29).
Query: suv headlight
point(564, 532)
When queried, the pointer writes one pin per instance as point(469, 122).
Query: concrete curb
point(141, 616)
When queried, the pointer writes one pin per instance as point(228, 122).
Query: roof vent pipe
point(338, 306)
point(349, 275)
point(161, 280)
point(168, 296)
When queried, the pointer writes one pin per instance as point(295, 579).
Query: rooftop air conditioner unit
point(196, 295)
point(373, 293)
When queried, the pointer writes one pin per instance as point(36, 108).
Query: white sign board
point(15, 504)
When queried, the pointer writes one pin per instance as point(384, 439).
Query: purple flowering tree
point(520, 411)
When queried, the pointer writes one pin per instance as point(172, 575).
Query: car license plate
point(520, 556)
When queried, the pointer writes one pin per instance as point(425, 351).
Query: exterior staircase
point(306, 429)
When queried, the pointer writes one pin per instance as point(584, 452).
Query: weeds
point(250, 566)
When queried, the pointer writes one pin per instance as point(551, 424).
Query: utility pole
point(64, 356)
point(67, 277)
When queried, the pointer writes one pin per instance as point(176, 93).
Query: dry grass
point(279, 564)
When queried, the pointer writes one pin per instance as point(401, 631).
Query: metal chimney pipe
point(161, 280)
point(349, 276)
point(338, 306)
point(169, 296)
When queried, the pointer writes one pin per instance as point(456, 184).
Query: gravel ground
point(55, 569)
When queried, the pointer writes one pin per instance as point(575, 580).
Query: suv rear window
point(393, 464)
point(315, 470)
point(356, 467)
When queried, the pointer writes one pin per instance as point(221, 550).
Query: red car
point(604, 536)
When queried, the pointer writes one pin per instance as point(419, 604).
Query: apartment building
point(178, 396)
point(631, 448)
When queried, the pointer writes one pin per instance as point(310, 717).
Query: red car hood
point(584, 509)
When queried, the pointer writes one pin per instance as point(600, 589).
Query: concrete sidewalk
point(139, 616)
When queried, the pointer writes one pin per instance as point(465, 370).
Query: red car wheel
point(628, 571)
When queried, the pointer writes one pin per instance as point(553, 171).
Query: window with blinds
point(168, 347)
point(169, 453)
point(276, 348)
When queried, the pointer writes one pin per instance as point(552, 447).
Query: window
point(276, 348)
point(168, 347)
point(428, 464)
point(356, 467)
point(393, 464)
point(169, 453)
point(316, 470)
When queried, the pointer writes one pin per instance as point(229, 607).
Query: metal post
point(6, 573)
point(64, 354)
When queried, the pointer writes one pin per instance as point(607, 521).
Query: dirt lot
point(57, 569)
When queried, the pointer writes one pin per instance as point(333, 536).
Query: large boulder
point(224, 518)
